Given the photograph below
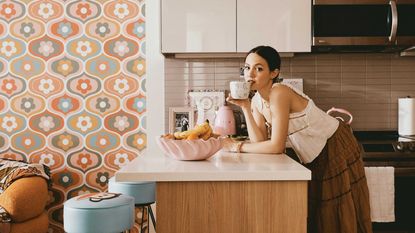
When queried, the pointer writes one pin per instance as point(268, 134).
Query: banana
point(202, 128)
point(197, 130)
point(192, 136)
point(177, 135)
point(184, 134)
point(207, 134)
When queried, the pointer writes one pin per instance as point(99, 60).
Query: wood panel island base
point(232, 207)
point(228, 193)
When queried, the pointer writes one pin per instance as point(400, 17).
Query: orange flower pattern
point(83, 10)
point(67, 71)
point(7, 10)
point(8, 86)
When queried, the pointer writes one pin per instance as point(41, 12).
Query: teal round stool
point(98, 213)
point(144, 194)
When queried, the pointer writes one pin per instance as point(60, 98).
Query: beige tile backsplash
point(368, 85)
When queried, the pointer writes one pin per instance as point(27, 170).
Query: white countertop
point(153, 165)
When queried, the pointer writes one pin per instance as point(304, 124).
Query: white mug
point(240, 89)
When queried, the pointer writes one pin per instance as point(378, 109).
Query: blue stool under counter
point(99, 213)
point(144, 194)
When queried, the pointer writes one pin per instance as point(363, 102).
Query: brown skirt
point(338, 192)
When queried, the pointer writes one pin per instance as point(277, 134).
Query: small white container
point(406, 116)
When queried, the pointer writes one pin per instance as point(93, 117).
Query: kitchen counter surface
point(152, 165)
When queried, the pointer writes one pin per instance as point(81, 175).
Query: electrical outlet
point(295, 82)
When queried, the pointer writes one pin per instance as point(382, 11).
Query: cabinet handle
point(394, 28)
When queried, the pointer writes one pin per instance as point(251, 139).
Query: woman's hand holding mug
point(239, 93)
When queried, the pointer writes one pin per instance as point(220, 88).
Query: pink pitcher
point(225, 121)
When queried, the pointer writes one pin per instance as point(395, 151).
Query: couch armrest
point(25, 198)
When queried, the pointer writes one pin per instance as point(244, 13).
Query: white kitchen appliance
point(295, 82)
point(207, 103)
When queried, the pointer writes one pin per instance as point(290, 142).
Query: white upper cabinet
point(222, 26)
point(198, 26)
point(282, 24)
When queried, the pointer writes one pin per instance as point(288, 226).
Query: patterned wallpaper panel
point(73, 90)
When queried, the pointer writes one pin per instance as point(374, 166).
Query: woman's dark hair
point(271, 56)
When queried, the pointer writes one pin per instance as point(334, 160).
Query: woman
point(338, 193)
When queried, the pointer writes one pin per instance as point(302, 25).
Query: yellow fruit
point(198, 130)
point(192, 136)
point(177, 135)
point(202, 128)
point(168, 136)
point(207, 134)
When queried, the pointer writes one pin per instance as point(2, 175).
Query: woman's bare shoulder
point(281, 94)
point(281, 89)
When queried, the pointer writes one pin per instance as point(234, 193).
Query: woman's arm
point(280, 109)
point(255, 123)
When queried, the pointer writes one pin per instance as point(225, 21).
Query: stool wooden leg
point(152, 216)
point(142, 220)
point(148, 221)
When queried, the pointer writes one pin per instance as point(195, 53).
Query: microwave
point(364, 23)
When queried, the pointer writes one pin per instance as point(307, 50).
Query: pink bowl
point(198, 149)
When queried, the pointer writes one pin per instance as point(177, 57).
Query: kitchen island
point(228, 193)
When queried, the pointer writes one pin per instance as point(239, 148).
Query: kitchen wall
point(368, 85)
point(73, 90)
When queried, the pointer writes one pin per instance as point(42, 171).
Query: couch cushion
point(37, 224)
point(25, 198)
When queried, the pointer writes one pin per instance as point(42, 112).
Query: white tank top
point(308, 130)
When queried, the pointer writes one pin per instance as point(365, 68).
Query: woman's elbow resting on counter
point(277, 151)
point(276, 147)
point(265, 147)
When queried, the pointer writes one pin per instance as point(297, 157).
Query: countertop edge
point(254, 176)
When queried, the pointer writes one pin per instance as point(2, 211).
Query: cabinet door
point(198, 26)
point(282, 24)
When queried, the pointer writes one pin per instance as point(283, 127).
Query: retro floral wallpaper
point(73, 90)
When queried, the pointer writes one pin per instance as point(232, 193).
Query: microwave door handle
point(394, 28)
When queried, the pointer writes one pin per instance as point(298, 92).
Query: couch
point(25, 200)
